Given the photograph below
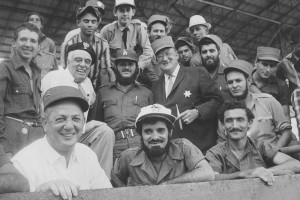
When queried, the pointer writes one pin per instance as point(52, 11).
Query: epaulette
point(100, 38)
point(47, 52)
point(111, 26)
point(136, 21)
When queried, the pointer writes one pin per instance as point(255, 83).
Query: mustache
point(155, 141)
point(235, 129)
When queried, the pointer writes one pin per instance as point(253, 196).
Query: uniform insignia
point(187, 94)
point(155, 108)
point(85, 45)
point(125, 53)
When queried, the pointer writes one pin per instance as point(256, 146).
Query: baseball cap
point(268, 53)
point(124, 2)
point(197, 20)
point(96, 4)
point(127, 54)
point(58, 93)
point(88, 9)
point(157, 111)
point(158, 18)
point(240, 65)
point(184, 41)
point(85, 47)
point(161, 43)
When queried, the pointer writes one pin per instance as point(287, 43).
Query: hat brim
point(169, 118)
point(163, 47)
point(208, 25)
point(125, 58)
point(80, 101)
point(121, 4)
point(267, 58)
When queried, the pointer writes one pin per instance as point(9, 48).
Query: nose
point(69, 125)
point(234, 84)
point(234, 124)
point(268, 68)
point(155, 135)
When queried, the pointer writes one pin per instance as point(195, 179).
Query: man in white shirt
point(57, 162)
point(97, 135)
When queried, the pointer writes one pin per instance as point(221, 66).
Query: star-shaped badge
point(187, 94)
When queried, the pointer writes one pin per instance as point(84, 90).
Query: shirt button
point(17, 91)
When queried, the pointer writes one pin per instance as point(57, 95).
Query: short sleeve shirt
point(223, 161)
point(135, 168)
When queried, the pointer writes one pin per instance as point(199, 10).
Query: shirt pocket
point(134, 105)
point(110, 109)
point(20, 96)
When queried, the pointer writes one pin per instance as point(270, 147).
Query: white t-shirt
point(40, 163)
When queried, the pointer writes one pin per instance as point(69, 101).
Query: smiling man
point(57, 162)
point(192, 91)
point(20, 82)
point(88, 19)
point(160, 159)
point(119, 103)
point(242, 157)
point(97, 135)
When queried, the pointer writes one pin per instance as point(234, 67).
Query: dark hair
point(181, 44)
point(34, 13)
point(231, 105)
point(153, 120)
point(26, 26)
point(234, 69)
point(207, 41)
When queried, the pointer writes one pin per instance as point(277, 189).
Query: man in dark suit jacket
point(192, 91)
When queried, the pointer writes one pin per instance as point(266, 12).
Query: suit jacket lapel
point(180, 76)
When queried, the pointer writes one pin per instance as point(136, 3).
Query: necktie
point(82, 90)
point(124, 37)
point(170, 85)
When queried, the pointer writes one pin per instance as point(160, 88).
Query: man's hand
point(93, 124)
point(189, 116)
point(264, 174)
point(62, 187)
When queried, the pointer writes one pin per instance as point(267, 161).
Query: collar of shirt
point(141, 158)
point(174, 74)
point(122, 28)
point(95, 38)
point(17, 63)
point(53, 156)
point(271, 79)
point(229, 155)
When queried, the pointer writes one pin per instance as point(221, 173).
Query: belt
point(28, 123)
point(126, 133)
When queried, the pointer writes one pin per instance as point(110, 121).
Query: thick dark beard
point(243, 96)
point(211, 67)
point(185, 63)
point(126, 81)
point(157, 151)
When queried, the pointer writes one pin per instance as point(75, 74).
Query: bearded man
point(160, 159)
point(119, 103)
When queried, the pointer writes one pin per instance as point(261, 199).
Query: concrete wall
point(284, 188)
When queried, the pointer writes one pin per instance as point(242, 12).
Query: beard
point(156, 151)
point(243, 96)
point(212, 66)
point(126, 80)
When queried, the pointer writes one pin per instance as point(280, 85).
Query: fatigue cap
point(55, 94)
point(85, 47)
point(213, 38)
point(156, 111)
point(240, 65)
point(161, 43)
point(96, 4)
point(184, 41)
point(158, 18)
point(198, 20)
point(88, 9)
point(268, 53)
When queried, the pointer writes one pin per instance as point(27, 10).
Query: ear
point(77, 22)
point(115, 12)
point(250, 124)
point(44, 124)
point(171, 133)
point(133, 11)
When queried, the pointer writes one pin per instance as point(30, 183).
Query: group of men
point(132, 107)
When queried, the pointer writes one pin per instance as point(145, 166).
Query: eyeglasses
point(161, 56)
